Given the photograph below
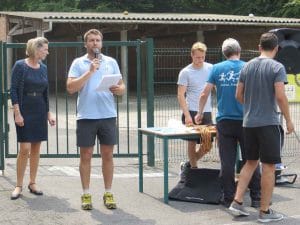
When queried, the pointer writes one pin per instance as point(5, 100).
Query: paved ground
point(59, 179)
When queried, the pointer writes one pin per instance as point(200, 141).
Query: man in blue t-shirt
point(96, 113)
point(224, 77)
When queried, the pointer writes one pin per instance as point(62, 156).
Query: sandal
point(32, 191)
point(15, 195)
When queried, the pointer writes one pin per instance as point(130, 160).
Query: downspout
point(48, 30)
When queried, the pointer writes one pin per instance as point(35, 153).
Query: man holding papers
point(108, 80)
point(96, 113)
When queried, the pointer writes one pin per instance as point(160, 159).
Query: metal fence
point(136, 109)
point(62, 138)
point(167, 63)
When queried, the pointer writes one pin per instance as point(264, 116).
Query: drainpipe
point(48, 30)
point(9, 64)
point(124, 62)
point(200, 36)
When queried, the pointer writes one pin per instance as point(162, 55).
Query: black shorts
point(264, 143)
point(88, 129)
point(205, 121)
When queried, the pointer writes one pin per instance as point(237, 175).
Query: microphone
point(96, 52)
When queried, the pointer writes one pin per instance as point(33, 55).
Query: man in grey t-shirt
point(261, 90)
point(260, 108)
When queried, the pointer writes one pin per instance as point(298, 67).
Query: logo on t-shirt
point(229, 79)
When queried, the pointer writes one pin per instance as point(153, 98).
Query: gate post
point(1, 110)
point(150, 101)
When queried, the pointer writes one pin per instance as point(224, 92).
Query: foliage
point(279, 8)
point(290, 9)
point(208, 6)
point(39, 5)
point(258, 7)
point(11, 5)
point(115, 6)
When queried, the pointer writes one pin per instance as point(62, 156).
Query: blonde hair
point(92, 31)
point(34, 44)
point(198, 46)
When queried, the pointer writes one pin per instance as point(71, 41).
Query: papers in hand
point(107, 81)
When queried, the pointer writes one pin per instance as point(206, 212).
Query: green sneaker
point(109, 201)
point(86, 202)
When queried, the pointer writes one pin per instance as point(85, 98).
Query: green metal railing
point(61, 141)
point(151, 99)
point(1, 112)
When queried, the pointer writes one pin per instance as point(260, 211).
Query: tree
point(115, 6)
point(279, 8)
point(39, 5)
point(290, 9)
point(258, 7)
point(11, 5)
point(51, 5)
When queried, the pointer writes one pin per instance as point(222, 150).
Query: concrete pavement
point(60, 204)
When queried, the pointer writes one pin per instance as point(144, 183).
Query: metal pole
point(150, 101)
point(1, 112)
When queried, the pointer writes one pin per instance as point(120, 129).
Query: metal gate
point(136, 69)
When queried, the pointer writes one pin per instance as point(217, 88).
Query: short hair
point(198, 46)
point(34, 44)
point(230, 47)
point(268, 41)
point(91, 31)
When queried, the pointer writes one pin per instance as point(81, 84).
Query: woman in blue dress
point(29, 95)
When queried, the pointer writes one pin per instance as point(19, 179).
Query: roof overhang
point(155, 18)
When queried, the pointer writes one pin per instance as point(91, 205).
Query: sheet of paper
point(107, 81)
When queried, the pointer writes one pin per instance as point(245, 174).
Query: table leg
point(140, 153)
point(166, 172)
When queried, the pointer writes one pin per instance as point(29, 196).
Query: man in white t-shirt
point(191, 82)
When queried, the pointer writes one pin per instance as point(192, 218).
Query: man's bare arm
point(74, 84)
point(283, 105)
point(239, 94)
point(181, 100)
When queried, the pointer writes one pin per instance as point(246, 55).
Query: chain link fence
point(167, 63)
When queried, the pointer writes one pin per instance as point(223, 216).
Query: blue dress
point(29, 88)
